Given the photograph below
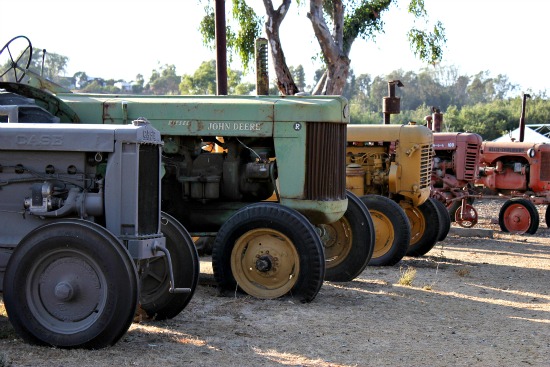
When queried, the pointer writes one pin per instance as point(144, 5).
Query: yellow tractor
point(392, 164)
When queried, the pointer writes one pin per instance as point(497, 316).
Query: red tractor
point(520, 172)
point(455, 168)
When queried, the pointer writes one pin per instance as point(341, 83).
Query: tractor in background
point(518, 171)
point(455, 169)
point(395, 162)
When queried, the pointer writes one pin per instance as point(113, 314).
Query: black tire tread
point(401, 226)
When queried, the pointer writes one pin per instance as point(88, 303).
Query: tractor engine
point(515, 168)
point(377, 155)
point(58, 171)
point(220, 170)
point(368, 168)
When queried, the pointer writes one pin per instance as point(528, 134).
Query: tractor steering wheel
point(24, 56)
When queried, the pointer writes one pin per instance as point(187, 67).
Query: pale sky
point(122, 38)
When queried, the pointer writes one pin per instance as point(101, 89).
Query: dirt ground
point(473, 301)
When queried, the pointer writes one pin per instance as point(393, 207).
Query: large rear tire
point(155, 299)
point(348, 243)
point(392, 228)
point(268, 250)
point(518, 216)
point(71, 283)
point(424, 220)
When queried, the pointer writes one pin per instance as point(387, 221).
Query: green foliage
point(203, 81)
point(479, 103)
point(363, 19)
point(299, 76)
point(138, 86)
point(426, 44)
point(164, 81)
point(249, 30)
point(99, 85)
point(240, 42)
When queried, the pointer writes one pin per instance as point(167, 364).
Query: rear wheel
point(424, 220)
point(155, 299)
point(445, 220)
point(547, 216)
point(71, 283)
point(392, 228)
point(269, 250)
point(348, 243)
point(519, 216)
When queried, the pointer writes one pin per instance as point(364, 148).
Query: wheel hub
point(264, 263)
point(64, 291)
point(69, 289)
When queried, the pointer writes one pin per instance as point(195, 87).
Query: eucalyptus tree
point(336, 25)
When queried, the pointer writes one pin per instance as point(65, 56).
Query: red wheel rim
point(466, 216)
point(517, 218)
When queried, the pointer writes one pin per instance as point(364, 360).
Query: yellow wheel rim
point(384, 232)
point(265, 263)
point(418, 223)
point(337, 240)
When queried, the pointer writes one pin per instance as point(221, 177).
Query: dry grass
point(407, 276)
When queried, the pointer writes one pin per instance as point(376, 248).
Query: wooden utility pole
point(221, 48)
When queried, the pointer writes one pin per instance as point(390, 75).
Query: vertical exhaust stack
point(391, 104)
point(522, 118)
point(262, 75)
point(437, 120)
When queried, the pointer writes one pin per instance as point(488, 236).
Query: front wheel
point(518, 216)
point(155, 299)
point(268, 251)
point(70, 284)
point(466, 216)
point(349, 242)
point(424, 220)
point(393, 231)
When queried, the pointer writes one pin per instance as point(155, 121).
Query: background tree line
point(489, 106)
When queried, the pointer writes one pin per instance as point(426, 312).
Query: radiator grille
point(148, 189)
point(326, 161)
point(471, 162)
point(545, 166)
point(426, 165)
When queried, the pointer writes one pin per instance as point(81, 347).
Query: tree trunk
point(337, 61)
point(285, 82)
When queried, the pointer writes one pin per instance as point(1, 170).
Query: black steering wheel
point(24, 56)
